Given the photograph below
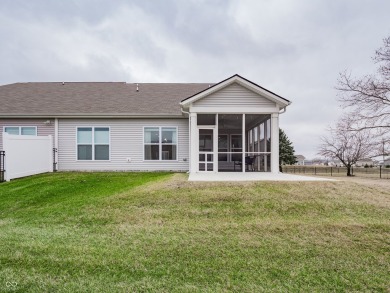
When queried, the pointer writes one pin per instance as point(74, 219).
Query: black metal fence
point(374, 172)
point(2, 170)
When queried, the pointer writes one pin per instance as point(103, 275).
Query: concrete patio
point(252, 176)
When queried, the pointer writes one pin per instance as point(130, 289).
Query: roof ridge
point(29, 82)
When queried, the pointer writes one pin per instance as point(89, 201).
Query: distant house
point(319, 162)
point(386, 162)
point(229, 126)
point(335, 163)
point(300, 160)
point(364, 162)
point(308, 162)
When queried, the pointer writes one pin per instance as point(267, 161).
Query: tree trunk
point(349, 171)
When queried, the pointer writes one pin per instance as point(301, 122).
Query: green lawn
point(126, 232)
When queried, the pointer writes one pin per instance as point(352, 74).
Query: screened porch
point(234, 142)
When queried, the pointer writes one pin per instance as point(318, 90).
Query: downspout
point(56, 141)
point(189, 137)
point(283, 110)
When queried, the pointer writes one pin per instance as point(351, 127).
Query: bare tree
point(368, 98)
point(347, 146)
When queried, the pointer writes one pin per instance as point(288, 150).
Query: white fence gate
point(27, 155)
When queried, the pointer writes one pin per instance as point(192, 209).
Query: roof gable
point(234, 95)
point(241, 81)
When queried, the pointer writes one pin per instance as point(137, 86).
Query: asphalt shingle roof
point(99, 98)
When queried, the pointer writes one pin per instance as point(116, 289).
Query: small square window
point(160, 143)
point(28, 131)
point(93, 143)
point(12, 130)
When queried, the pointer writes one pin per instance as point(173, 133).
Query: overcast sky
point(294, 48)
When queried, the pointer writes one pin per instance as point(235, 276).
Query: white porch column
point(275, 143)
point(194, 143)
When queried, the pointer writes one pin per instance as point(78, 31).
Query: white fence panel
point(27, 155)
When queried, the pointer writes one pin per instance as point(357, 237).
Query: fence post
point(331, 172)
point(315, 170)
point(294, 169)
point(380, 172)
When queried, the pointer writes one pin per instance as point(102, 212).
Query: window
point(160, 143)
point(21, 130)
point(93, 143)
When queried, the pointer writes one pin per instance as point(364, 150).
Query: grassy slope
point(113, 232)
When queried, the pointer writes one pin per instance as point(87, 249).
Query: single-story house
point(300, 160)
point(386, 162)
point(365, 162)
point(230, 126)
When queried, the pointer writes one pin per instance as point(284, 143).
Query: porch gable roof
point(282, 102)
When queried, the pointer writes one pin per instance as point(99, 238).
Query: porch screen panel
point(223, 147)
point(230, 147)
point(258, 142)
point(206, 119)
point(206, 145)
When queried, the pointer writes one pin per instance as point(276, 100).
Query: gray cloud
point(295, 48)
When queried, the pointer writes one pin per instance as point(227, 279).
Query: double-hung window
point(21, 130)
point(160, 143)
point(93, 143)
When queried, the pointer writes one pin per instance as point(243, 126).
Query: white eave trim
point(129, 115)
point(241, 81)
point(236, 110)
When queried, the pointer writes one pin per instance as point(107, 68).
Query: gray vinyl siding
point(126, 141)
point(234, 95)
point(42, 128)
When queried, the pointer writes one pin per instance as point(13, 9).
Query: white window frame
point(20, 129)
point(160, 144)
point(93, 144)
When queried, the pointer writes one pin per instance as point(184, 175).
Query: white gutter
point(95, 115)
point(283, 110)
